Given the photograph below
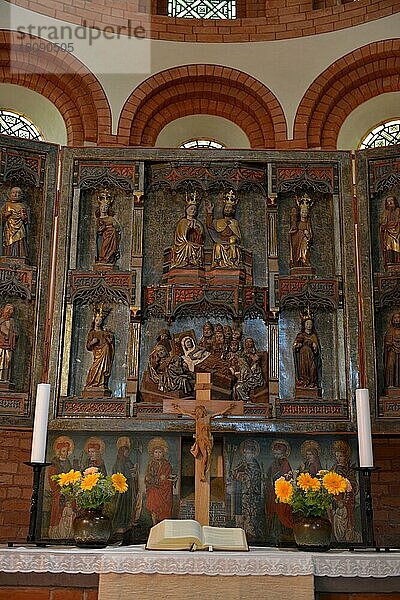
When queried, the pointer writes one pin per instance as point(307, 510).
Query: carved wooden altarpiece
point(251, 266)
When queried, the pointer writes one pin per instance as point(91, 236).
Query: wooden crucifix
point(203, 445)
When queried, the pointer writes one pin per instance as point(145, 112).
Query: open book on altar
point(187, 534)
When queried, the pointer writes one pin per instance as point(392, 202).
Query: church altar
point(132, 571)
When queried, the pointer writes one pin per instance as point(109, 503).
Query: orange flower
point(306, 482)
point(68, 478)
point(90, 481)
point(283, 490)
point(119, 482)
point(335, 484)
point(90, 470)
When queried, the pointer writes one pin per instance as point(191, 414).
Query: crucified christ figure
point(204, 441)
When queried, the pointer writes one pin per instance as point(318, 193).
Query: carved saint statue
point(392, 353)
point(203, 445)
point(307, 355)
point(108, 230)
point(15, 221)
point(300, 233)
point(100, 341)
point(8, 339)
point(188, 248)
point(390, 232)
point(226, 234)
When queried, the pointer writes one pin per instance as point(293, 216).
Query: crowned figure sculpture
point(188, 248)
point(301, 234)
point(225, 234)
point(108, 233)
point(100, 342)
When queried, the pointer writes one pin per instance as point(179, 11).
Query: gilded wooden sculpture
point(307, 359)
point(100, 342)
point(225, 233)
point(8, 340)
point(188, 247)
point(390, 233)
point(108, 231)
point(300, 233)
point(391, 360)
point(15, 225)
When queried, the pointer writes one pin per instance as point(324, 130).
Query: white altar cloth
point(259, 561)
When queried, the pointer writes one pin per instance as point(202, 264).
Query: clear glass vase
point(92, 528)
point(312, 534)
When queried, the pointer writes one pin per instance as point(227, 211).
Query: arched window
point(384, 134)
point(202, 143)
point(12, 123)
point(202, 9)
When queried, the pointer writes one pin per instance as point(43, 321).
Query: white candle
point(39, 437)
point(364, 429)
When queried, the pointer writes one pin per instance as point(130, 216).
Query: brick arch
point(202, 89)
point(356, 77)
point(61, 78)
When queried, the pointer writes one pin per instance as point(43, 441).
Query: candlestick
point(365, 452)
point(39, 437)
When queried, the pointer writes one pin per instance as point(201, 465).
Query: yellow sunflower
point(283, 490)
point(90, 481)
point(68, 478)
point(119, 482)
point(306, 482)
point(335, 484)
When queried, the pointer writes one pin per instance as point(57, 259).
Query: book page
point(174, 534)
point(225, 538)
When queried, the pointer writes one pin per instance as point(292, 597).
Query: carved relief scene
point(205, 296)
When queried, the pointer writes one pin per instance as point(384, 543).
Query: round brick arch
point(356, 77)
point(61, 78)
point(207, 90)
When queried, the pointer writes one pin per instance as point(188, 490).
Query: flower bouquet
point(311, 497)
point(91, 490)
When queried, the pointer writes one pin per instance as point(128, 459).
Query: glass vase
point(312, 534)
point(91, 528)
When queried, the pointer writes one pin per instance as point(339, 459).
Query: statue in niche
point(188, 248)
point(15, 223)
point(390, 232)
point(108, 231)
point(226, 235)
point(391, 360)
point(307, 357)
point(8, 340)
point(300, 233)
point(100, 341)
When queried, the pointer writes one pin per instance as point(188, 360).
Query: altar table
point(133, 572)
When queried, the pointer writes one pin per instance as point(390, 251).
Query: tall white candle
point(364, 429)
point(39, 437)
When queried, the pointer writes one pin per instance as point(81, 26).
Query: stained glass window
point(202, 9)
point(12, 123)
point(385, 134)
point(201, 143)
